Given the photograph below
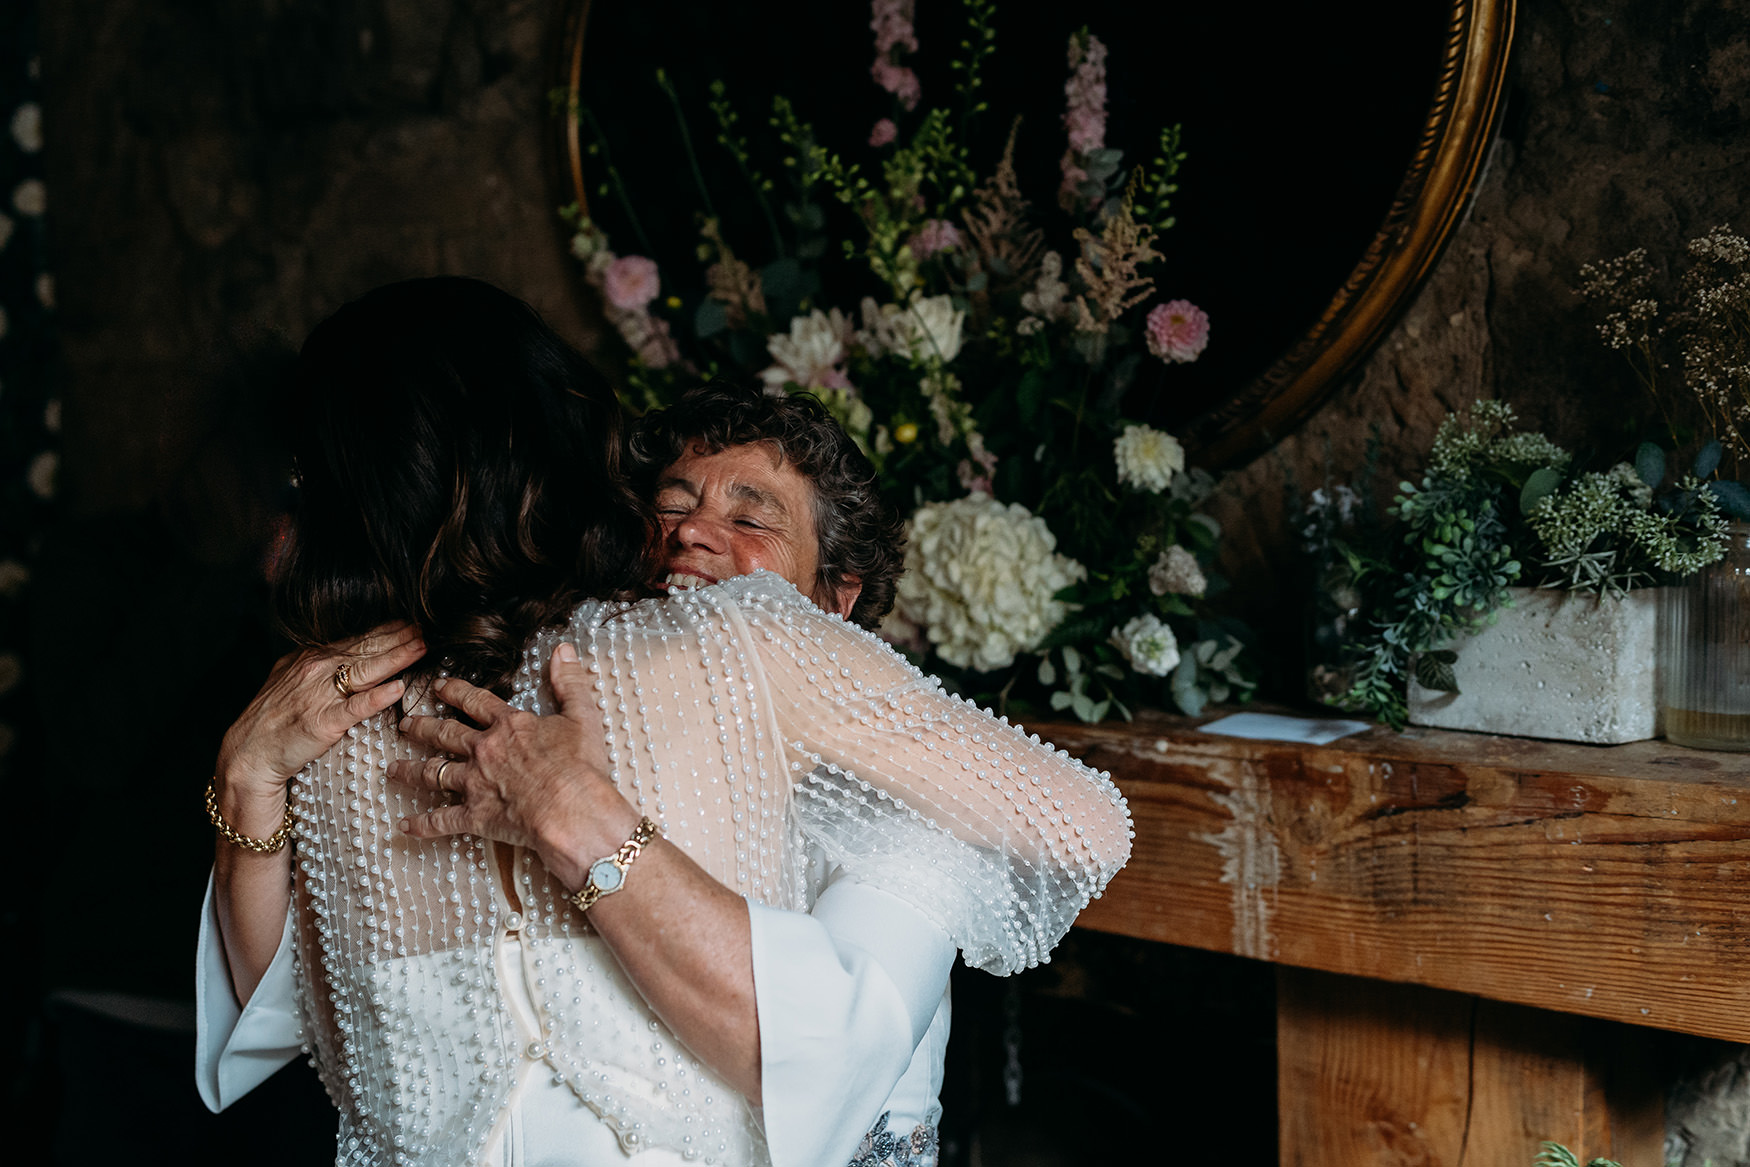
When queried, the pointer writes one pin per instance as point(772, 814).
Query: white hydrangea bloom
point(811, 353)
point(1148, 644)
point(1147, 458)
point(980, 578)
point(1176, 571)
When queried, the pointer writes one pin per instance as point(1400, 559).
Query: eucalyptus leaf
point(1047, 671)
point(1084, 707)
point(1542, 483)
point(1732, 497)
point(1650, 464)
point(710, 319)
point(1072, 660)
point(1060, 700)
point(1707, 459)
point(1186, 695)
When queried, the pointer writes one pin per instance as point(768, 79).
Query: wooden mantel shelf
point(1612, 882)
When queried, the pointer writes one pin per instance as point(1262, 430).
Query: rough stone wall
point(1625, 127)
point(227, 172)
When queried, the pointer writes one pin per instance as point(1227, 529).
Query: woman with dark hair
point(462, 514)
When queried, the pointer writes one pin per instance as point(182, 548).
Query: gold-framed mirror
point(1367, 124)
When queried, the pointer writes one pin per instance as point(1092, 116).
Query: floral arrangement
point(1704, 323)
point(981, 349)
point(1498, 507)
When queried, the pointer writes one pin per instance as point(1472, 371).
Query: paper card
point(1314, 731)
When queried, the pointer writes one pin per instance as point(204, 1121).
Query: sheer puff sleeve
point(994, 836)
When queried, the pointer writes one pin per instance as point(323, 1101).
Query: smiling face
point(738, 510)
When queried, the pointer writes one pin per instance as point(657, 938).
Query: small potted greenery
point(1512, 593)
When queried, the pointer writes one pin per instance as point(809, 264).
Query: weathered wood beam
point(1612, 882)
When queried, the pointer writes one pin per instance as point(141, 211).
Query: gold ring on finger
point(343, 680)
point(440, 775)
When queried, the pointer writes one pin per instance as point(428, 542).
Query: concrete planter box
point(1556, 665)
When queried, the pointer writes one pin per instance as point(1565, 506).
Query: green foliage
point(1500, 507)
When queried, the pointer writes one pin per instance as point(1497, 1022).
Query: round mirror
point(1330, 151)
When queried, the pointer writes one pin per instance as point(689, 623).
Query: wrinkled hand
point(538, 782)
point(300, 713)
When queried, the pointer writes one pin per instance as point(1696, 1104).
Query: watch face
point(606, 875)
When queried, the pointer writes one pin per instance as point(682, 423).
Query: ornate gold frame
point(1430, 203)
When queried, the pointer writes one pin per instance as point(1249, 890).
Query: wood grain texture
point(1607, 881)
point(1382, 1075)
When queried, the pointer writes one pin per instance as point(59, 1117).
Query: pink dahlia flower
point(631, 282)
point(1177, 331)
point(883, 133)
point(935, 235)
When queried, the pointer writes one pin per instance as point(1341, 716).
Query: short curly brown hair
point(860, 536)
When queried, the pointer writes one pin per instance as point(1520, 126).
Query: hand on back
point(301, 711)
point(538, 782)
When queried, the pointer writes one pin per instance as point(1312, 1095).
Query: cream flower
point(1148, 644)
point(980, 579)
point(926, 329)
point(1176, 572)
point(27, 127)
point(934, 325)
point(30, 197)
point(1147, 458)
point(13, 576)
point(811, 353)
point(42, 473)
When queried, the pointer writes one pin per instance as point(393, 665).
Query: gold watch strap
point(591, 891)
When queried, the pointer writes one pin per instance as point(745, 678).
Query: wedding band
point(343, 680)
point(440, 775)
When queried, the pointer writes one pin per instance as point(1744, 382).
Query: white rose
point(980, 578)
point(1148, 644)
point(1147, 458)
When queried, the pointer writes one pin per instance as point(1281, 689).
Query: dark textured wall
point(229, 171)
point(1625, 127)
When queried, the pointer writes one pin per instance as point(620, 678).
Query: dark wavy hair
point(459, 466)
point(860, 536)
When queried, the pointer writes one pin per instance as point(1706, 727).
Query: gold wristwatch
point(608, 874)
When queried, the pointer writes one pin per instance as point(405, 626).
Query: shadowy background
point(203, 180)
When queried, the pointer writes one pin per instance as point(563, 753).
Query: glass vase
point(1704, 649)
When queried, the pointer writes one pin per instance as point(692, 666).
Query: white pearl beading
point(760, 734)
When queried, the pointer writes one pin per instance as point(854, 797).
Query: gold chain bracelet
point(230, 834)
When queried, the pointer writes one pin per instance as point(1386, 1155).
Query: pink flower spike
point(883, 133)
point(631, 282)
point(1177, 331)
point(935, 235)
point(897, 80)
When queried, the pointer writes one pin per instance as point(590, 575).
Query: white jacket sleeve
point(845, 994)
point(237, 1050)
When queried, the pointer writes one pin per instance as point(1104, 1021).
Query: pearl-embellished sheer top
point(756, 731)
